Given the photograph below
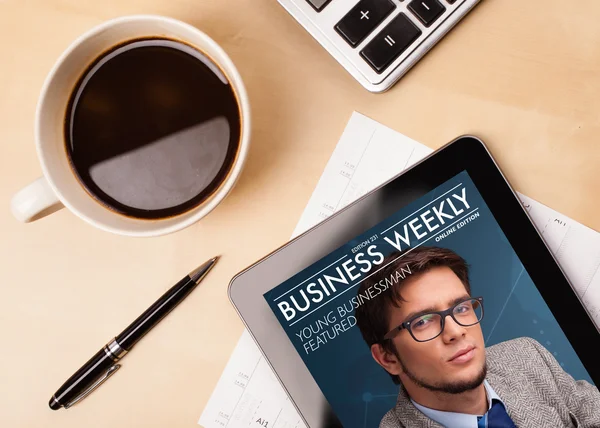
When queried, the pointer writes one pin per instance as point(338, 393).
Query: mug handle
point(35, 201)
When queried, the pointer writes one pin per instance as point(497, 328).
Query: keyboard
point(378, 41)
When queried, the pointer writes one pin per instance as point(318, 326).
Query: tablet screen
point(430, 315)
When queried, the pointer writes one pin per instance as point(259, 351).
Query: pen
point(103, 365)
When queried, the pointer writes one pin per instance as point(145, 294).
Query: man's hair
point(372, 317)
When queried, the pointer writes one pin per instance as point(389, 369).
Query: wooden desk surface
point(522, 75)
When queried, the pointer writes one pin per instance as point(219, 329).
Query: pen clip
point(108, 373)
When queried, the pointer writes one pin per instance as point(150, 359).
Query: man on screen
point(425, 331)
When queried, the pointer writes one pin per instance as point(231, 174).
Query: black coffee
point(153, 128)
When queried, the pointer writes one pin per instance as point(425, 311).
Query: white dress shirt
point(459, 420)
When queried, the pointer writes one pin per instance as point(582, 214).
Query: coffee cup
point(63, 185)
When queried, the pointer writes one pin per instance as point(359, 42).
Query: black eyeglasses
point(428, 326)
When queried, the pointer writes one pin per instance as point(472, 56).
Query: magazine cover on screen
point(429, 319)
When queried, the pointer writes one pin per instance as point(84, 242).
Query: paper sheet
point(367, 154)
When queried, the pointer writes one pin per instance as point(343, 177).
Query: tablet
point(434, 284)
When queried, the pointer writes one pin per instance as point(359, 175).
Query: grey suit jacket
point(537, 392)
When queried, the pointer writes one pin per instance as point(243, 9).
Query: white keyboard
point(378, 41)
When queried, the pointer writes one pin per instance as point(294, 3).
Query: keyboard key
point(318, 4)
point(362, 19)
point(426, 10)
point(394, 39)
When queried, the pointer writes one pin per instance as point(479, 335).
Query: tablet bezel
point(466, 153)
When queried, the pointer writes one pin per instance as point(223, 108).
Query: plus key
point(363, 19)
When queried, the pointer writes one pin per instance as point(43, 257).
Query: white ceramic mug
point(59, 185)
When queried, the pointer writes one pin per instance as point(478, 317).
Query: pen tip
point(197, 274)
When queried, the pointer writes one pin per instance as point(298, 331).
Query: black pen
point(102, 365)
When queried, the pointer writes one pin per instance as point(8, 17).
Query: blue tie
point(496, 417)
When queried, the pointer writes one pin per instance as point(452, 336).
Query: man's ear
point(386, 359)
